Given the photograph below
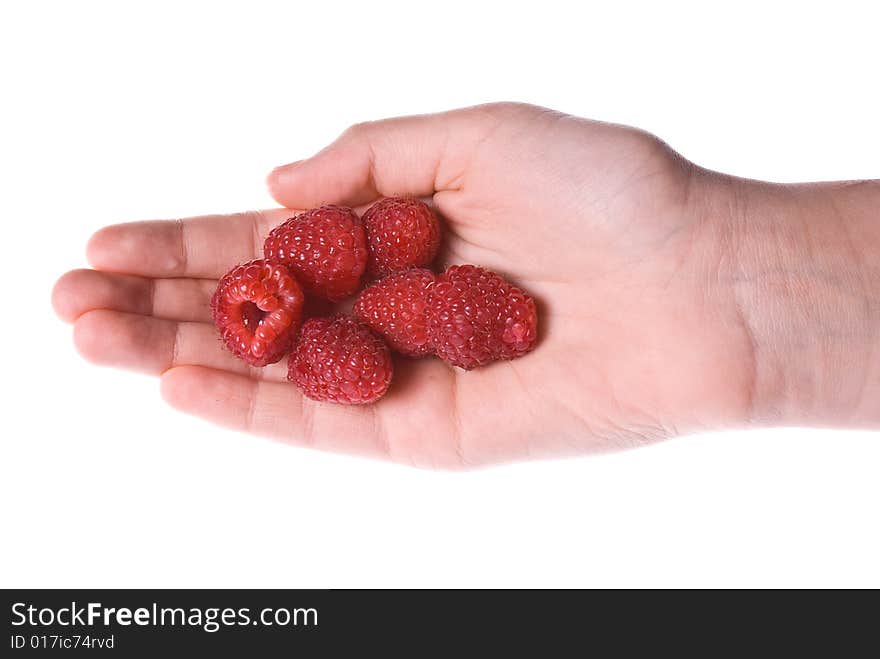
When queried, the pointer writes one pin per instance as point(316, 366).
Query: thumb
point(416, 155)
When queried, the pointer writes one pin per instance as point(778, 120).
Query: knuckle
point(358, 131)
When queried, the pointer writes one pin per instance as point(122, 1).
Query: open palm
point(603, 225)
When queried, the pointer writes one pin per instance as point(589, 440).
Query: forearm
point(803, 266)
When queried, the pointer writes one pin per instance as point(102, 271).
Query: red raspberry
point(257, 308)
point(402, 233)
point(394, 307)
point(325, 248)
point(339, 359)
point(476, 317)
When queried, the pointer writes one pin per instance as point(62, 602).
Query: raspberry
point(394, 307)
point(476, 317)
point(325, 248)
point(339, 359)
point(402, 233)
point(257, 308)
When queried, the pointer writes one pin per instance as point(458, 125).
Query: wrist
point(797, 265)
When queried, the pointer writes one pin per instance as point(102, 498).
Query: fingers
point(79, 291)
point(201, 247)
point(272, 409)
point(153, 345)
point(414, 423)
point(417, 155)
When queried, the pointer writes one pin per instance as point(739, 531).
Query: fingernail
point(280, 177)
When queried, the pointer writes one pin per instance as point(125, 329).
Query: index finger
point(201, 247)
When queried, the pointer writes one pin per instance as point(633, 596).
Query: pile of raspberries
point(467, 316)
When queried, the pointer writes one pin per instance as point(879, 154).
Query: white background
point(116, 111)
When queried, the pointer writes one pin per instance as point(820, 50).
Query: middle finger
point(80, 291)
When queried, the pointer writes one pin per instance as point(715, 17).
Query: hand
point(641, 338)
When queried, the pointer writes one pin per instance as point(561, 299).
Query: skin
point(671, 299)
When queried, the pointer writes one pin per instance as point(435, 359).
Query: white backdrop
point(115, 111)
